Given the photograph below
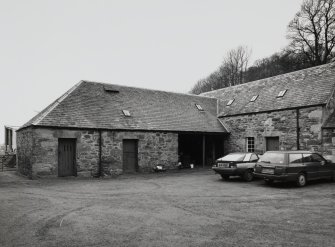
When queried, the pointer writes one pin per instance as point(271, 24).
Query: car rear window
point(312, 158)
point(273, 158)
point(295, 158)
point(233, 157)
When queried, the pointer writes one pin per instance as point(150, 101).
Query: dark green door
point(272, 143)
point(66, 157)
point(130, 159)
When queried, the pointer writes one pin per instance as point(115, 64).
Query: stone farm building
point(99, 129)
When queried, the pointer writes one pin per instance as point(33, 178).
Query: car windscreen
point(273, 158)
point(233, 157)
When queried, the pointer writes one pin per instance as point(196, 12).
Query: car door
point(295, 163)
point(312, 166)
point(324, 167)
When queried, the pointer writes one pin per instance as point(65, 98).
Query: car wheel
point(333, 177)
point(225, 177)
point(248, 176)
point(301, 180)
point(269, 181)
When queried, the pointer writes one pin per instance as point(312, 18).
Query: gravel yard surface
point(184, 208)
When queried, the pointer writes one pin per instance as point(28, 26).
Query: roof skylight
point(110, 89)
point(126, 113)
point(230, 102)
point(199, 107)
point(254, 98)
point(282, 93)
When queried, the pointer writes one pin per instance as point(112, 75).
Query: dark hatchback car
point(296, 166)
point(236, 164)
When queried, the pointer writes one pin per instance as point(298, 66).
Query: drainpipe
point(100, 160)
point(203, 150)
point(298, 129)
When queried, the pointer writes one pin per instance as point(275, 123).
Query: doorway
point(130, 156)
point(272, 143)
point(66, 157)
point(199, 149)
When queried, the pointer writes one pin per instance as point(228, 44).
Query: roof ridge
point(55, 104)
point(268, 78)
point(148, 89)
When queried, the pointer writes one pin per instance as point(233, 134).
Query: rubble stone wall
point(154, 148)
point(38, 150)
point(282, 124)
point(24, 139)
point(329, 141)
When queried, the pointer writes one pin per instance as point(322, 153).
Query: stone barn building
point(99, 129)
point(286, 112)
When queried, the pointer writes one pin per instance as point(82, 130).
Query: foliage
point(312, 31)
point(230, 73)
point(279, 63)
point(312, 40)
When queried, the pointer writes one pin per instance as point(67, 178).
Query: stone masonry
point(277, 123)
point(38, 150)
point(328, 136)
point(154, 148)
point(24, 151)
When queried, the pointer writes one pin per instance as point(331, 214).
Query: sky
point(48, 46)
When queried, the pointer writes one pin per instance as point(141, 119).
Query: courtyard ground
point(184, 208)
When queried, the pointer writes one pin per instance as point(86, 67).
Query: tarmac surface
point(183, 208)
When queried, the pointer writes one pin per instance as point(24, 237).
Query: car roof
point(241, 153)
point(294, 151)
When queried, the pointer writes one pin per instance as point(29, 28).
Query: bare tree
point(235, 65)
point(201, 86)
point(230, 73)
point(312, 31)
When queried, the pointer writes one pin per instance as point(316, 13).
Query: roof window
point(282, 93)
point(230, 102)
point(199, 107)
point(111, 89)
point(126, 113)
point(254, 98)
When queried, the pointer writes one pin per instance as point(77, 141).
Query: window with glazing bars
point(250, 144)
point(254, 98)
point(230, 102)
point(199, 107)
point(281, 93)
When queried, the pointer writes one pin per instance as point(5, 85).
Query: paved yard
point(171, 209)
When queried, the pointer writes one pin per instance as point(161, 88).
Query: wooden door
point(66, 157)
point(130, 159)
point(272, 143)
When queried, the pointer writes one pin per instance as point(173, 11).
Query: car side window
point(307, 158)
point(254, 157)
point(316, 158)
point(295, 158)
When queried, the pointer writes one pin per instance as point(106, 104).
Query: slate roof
point(307, 87)
point(89, 105)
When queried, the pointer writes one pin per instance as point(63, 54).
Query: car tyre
point(333, 177)
point(268, 181)
point(301, 180)
point(248, 176)
point(225, 177)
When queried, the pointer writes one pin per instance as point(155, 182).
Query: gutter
point(268, 111)
point(118, 129)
